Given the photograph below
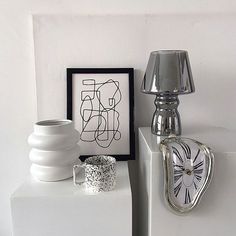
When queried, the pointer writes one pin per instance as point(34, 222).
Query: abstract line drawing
point(98, 111)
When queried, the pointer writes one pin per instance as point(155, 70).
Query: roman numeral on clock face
point(187, 199)
point(176, 152)
point(196, 156)
point(177, 172)
point(179, 166)
point(199, 171)
point(198, 165)
point(198, 177)
point(187, 150)
point(177, 177)
point(177, 189)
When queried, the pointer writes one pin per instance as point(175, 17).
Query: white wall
point(126, 41)
point(18, 96)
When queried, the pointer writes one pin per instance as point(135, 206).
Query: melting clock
point(188, 169)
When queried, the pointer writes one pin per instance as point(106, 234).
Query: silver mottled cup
point(100, 173)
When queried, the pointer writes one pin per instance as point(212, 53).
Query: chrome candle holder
point(168, 75)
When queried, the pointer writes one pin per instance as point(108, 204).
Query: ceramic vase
point(54, 149)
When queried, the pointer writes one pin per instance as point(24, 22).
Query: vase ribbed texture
point(54, 149)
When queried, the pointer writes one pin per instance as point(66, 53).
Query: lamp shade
point(168, 72)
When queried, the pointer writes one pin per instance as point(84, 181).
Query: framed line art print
point(100, 101)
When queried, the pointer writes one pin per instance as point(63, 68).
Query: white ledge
point(60, 208)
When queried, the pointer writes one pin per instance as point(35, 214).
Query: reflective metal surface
point(188, 170)
point(166, 119)
point(168, 74)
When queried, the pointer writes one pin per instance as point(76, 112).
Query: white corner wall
point(215, 70)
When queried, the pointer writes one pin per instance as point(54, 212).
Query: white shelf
point(59, 208)
point(216, 213)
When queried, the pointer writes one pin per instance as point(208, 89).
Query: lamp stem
point(166, 118)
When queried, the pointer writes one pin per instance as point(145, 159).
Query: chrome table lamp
point(168, 74)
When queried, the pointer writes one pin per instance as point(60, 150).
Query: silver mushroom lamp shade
point(168, 75)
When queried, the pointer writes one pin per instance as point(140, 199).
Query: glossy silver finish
point(168, 74)
point(167, 152)
point(166, 119)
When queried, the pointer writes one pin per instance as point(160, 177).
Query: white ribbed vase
point(54, 149)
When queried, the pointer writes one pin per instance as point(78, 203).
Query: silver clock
point(188, 169)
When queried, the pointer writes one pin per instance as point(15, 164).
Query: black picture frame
point(130, 73)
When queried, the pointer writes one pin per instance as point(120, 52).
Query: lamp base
point(166, 118)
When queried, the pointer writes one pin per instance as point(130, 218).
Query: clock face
point(188, 168)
